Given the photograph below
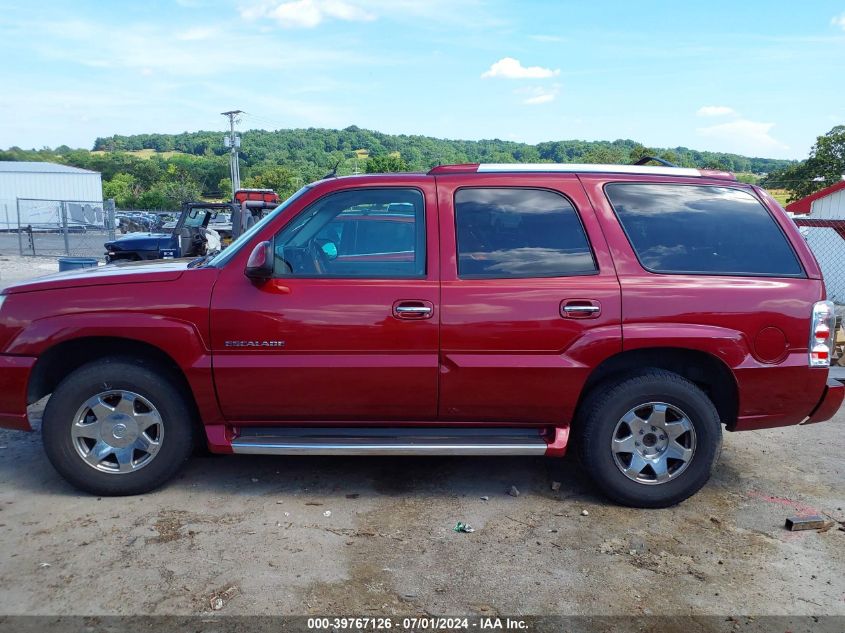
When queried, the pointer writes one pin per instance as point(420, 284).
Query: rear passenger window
point(513, 233)
point(702, 229)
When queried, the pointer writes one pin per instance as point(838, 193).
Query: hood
point(140, 242)
point(111, 274)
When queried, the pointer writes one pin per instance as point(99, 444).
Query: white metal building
point(44, 181)
point(821, 217)
point(827, 204)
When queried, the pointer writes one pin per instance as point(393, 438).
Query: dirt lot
point(369, 536)
point(14, 268)
point(258, 527)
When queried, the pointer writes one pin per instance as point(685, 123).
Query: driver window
point(364, 233)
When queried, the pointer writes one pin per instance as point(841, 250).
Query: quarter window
point(515, 233)
point(367, 233)
point(701, 230)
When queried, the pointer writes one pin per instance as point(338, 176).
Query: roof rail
point(493, 168)
point(462, 168)
point(645, 160)
point(588, 168)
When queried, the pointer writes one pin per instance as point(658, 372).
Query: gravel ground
point(371, 536)
point(14, 268)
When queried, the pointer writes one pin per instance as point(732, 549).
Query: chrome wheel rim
point(117, 432)
point(653, 443)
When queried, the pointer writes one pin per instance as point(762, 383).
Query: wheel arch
point(60, 360)
point(56, 362)
point(707, 371)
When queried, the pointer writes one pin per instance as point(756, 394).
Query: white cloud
point(469, 14)
point(510, 68)
point(297, 14)
point(715, 111)
point(308, 13)
point(167, 53)
point(839, 21)
point(744, 136)
point(538, 95)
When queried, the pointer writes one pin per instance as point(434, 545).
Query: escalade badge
point(254, 343)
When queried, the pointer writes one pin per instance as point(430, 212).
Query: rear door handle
point(413, 310)
point(580, 309)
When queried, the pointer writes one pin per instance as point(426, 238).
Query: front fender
point(179, 339)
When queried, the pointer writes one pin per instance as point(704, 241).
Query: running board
point(389, 441)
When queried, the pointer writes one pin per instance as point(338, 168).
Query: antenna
point(333, 172)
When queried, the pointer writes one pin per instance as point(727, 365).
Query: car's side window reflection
point(366, 233)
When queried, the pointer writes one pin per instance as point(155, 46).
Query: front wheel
point(650, 440)
point(117, 427)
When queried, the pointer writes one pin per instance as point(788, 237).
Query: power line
point(261, 119)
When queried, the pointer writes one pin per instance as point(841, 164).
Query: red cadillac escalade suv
point(630, 311)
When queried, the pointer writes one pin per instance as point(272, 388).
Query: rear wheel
point(649, 440)
point(117, 427)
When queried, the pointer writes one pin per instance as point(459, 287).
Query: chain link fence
point(826, 238)
point(58, 228)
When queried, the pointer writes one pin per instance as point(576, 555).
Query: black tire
point(605, 406)
point(144, 379)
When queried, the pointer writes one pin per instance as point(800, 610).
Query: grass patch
point(781, 195)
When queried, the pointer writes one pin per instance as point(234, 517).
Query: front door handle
point(580, 309)
point(413, 310)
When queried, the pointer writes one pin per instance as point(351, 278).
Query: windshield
point(228, 253)
point(196, 217)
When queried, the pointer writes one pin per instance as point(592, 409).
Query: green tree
point(385, 163)
point(124, 189)
point(178, 191)
point(280, 179)
point(602, 156)
point(169, 194)
point(825, 166)
point(153, 198)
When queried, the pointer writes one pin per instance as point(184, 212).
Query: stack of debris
point(839, 343)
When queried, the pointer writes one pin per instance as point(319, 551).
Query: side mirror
point(259, 266)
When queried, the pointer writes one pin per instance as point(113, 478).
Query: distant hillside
point(322, 148)
point(159, 171)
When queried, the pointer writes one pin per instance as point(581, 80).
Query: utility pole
point(233, 142)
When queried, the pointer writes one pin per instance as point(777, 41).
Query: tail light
point(821, 334)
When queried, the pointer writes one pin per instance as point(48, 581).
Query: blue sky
point(756, 77)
